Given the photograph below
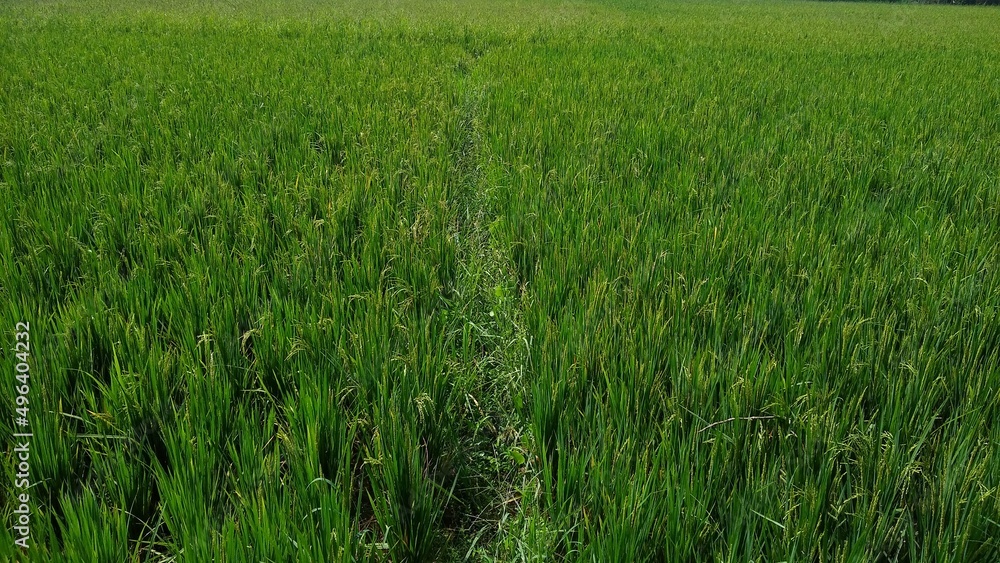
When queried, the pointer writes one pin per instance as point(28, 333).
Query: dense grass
point(503, 281)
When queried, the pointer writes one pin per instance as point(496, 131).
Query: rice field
point(526, 280)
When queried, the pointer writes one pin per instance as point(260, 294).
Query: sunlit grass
point(618, 281)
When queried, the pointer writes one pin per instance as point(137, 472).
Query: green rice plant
point(576, 281)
